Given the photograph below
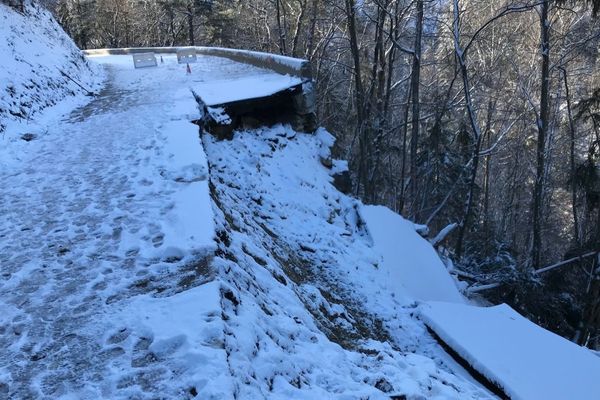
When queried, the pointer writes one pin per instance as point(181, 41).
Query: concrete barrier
point(280, 64)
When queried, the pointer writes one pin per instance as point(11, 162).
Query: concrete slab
point(522, 359)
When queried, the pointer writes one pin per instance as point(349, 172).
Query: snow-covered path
point(97, 210)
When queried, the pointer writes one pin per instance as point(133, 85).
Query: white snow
point(114, 295)
point(527, 361)
point(185, 328)
point(110, 201)
point(410, 262)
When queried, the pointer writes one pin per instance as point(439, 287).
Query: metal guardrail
point(280, 64)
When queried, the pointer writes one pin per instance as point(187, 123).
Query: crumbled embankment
point(307, 311)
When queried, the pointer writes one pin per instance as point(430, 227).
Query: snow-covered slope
point(34, 54)
point(308, 311)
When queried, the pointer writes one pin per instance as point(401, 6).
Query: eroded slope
point(307, 312)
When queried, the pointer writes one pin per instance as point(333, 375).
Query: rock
point(250, 122)
point(326, 161)
point(305, 122)
point(305, 247)
point(28, 137)
point(221, 132)
point(343, 182)
point(384, 385)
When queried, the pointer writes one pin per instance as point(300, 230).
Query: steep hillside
point(40, 65)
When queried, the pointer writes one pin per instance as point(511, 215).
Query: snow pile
point(178, 338)
point(410, 261)
point(307, 309)
point(35, 52)
point(525, 360)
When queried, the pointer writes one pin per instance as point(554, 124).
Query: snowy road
point(108, 203)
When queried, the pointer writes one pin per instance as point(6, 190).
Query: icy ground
point(109, 202)
point(109, 288)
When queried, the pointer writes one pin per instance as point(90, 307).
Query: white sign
point(186, 56)
point(143, 60)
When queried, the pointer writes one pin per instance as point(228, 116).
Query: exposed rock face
point(343, 182)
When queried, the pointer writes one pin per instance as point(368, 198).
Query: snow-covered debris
point(310, 313)
point(39, 65)
point(413, 266)
point(523, 359)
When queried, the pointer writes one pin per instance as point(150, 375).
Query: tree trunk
point(190, 21)
point(572, 159)
point(313, 28)
point(360, 95)
point(280, 28)
point(414, 87)
point(402, 202)
point(298, 28)
point(486, 182)
point(460, 57)
point(542, 123)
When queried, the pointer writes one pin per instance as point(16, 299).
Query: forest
point(479, 119)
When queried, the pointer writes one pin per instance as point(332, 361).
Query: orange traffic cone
point(188, 69)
